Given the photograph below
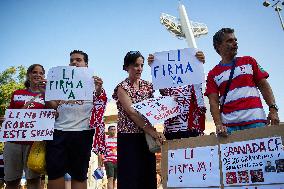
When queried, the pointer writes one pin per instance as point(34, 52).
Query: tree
point(11, 79)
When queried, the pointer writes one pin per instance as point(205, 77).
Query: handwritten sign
point(69, 83)
point(193, 167)
point(281, 186)
point(259, 161)
point(176, 68)
point(159, 109)
point(28, 125)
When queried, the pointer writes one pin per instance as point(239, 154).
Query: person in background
point(191, 121)
point(237, 105)
point(136, 166)
point(70, 150)
point(109, 159)
point(16, 153)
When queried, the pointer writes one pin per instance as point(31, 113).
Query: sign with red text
point(281, 186)
point(69, 83)
point(28, 125)
point(193, 167)
point(259, 161)
point(176, 68)
point(159, 109)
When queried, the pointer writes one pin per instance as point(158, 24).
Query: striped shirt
point(111, 150)
point(183, 96)
point(20, 98)
point(243, 104)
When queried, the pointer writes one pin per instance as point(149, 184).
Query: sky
point(46, 31)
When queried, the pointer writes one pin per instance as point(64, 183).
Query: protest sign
point(202, 153)
point(194, 167)
point(69, 83)
point(259, 161)
point(261, 145)
point(159, 109)
point(281, 186)
point(176, 68)
point(28, 125)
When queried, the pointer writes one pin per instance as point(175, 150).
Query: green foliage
point(11, 79)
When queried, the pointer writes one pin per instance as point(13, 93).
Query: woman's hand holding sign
point(200, 56)
point(159, 137)
point(150, 59)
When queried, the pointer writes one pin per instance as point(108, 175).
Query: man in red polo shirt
point(110, 157)
point(239, 102)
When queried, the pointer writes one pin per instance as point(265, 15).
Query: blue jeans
point(230, 130)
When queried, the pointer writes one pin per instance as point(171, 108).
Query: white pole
point(281, 21)
point(186, 27)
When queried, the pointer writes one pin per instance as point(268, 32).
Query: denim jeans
point(230, 130)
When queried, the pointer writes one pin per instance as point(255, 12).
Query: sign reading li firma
point(176, 68)
point(69, 83)
point(193, 167)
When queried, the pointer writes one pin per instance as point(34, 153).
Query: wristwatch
point(274, 106)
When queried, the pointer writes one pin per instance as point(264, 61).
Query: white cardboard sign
point(176, 68)
point(259, 161)
point(28, 125)
point(159, 109)
point(194, 167)
point(69, 83)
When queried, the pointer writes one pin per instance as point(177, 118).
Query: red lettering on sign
point(201, 165)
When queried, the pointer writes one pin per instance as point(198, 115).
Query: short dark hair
point(86, 58)
point(30, 70)
point(109, 127)
point(130, 58)
point(219, 36)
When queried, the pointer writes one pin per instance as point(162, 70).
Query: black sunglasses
point(133, 52)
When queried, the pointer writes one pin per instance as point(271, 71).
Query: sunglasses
point(133, 52)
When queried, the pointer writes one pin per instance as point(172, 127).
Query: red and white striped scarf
point(97, 123)
point(196, 114)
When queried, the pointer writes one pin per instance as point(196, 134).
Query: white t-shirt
point(74, 116)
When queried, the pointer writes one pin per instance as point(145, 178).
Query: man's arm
point(53, 104)
point(215, 112)
point(100, 161)
point(268, 96)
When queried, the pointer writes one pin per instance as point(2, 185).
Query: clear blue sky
point(45, 31)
